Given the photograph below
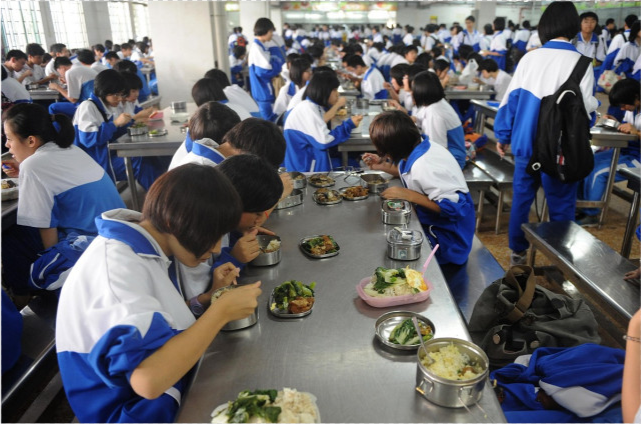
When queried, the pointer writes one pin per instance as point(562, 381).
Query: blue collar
point(404, 166)
point(224, 102)
point(99, 104)
point(257, 41)
point(497, 34)
point(559, 45)
point(207, 152)
point(122, 232)
point(189, 143)
point(292, 89)
point(594, 39)
point(369, 71)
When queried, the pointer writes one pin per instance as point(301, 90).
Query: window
point(120, 21)
point(21, 24)
point(141, 20)
point(69, 23)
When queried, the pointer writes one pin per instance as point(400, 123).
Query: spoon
point(420, 337)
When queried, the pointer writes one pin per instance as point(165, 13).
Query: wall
point(183, 46)
point(97, 21)
point(250, 11)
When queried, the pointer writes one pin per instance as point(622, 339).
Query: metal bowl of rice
point(455, 373)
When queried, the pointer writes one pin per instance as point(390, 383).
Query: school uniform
point(284, 96)
point(238, 96)
point(95, 129)
point(408, 40)
point(374, 55)
point(540, 73)
point(606, 36)
point(500, 84)
point(472, 39)
point(98, 67)
point(442, 125)
point(236, 67)
point(79, 86)
point(485, 42)
point(136, 57)
point(49, 70)
point(308, 138)
point(636, 69)
point(406, 99)
point(431, 170)
point(397, 35)
point(625, 59)
point(11, 333)
point(203, 152)
point(372, 85)
point(397, 59)
point(444, 36)
point(499, 45)
point(534, 42)
point(593, 48)
point(617, 42)
point(181, 152)
point(262, 68)
point(15, 92)
point(521, 38)
point(378, 38)
point(469, 72)
point(325, 37)
point(107, 326)
point(293, 102)
point(37, 74)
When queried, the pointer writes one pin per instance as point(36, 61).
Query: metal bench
point(502, 174)
point(477, 180)
point(592, 266)
point(634, 181)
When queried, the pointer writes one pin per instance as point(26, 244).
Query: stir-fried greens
point(294, 296)
point(320, 245)
point(253, 404)
point(405, 333)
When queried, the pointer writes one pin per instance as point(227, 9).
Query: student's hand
point(628, 129)
point(633, 275)
point(609, 117)
point(288, 184)
point(240, 302)
point(246, 248)
point(445, 80)
point(341, 102)
point(26, 73)
point(145, 113)
point(477, 80)
point(356, 119)
point(11, 167)
point(501, 148)
point(396, 104)
point(375, 162)
point(223, 276)
point(397, 193)
point(54, 86)
point(388, 86)
point(122, 120)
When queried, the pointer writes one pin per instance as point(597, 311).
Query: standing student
point(498, 46)
point(408, 39)
point(233, 92)
point(587, 41)
point(300, 73)
point(522, 36)
point(308, 138)
point(435, 117)
point(618, 41)
point(237, 63)
point(62, 190)
point(629, 53)
point(497, 78)
point(471, 36)
point(207, 89)
point(431, 180)
point(125, 349)
point(607, 30)
point(540, 73)
point(262, 68)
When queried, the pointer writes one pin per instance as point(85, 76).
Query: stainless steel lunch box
point(294, 199)
point(404, 245)
point(373, 186)
point(362, 104)
point(33, 86)
point(611, 124)
point(298, 183)
point(266, 259)
point(239, 324)
point(451, 393)
point(177, 107)
point(138, 130)
point(396, 212)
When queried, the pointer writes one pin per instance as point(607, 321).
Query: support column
point(97, 22)
point(485, 12)
point(220, 32)
point(250, 11)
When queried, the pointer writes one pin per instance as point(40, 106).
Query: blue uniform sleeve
point(505, 118)
point(226, 256)
point(381, 95)
point(341, 133)
point(101, 137)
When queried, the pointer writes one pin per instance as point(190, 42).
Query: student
point(497, 78)
point(130, 104)
point(443, 34)
point(111, 58)
point(395, 86)
point(126, 50)
point(300, 73)
point(435, 117)
point(522, 36)
point(486, 39)
point(431, 180)
point(128, 66)
point(233, 92)
point(139, 54)
point(607, 31)
point(442, 71)
point(14, 62)
point(587, 41)
point(96, 125)
point(471, 36)
point(35, 52)
point(306, 132)
point(629, 53)
point(125, 349)
point(99, 50)
point(456, 32)
point(12, 90)
point(617, 42)
point(207, 89)
point(236, 64)
point(56, 178)
point(377, 37)
point(56, 50)
point(408, 38)
point(207, 127)
point(498, 46)
point(624, 95)
point(288, 63)
point(262, 68)
point(517, 119)
point(534, 42)
point(79, 80)
point(372, 82)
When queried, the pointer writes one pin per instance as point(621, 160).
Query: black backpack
point(562, 144)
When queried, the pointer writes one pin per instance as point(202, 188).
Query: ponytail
point(30, 119)
point(65, 133)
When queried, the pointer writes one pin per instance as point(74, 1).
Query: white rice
point(448, 361)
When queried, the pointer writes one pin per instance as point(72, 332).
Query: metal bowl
point(239, 324)
point(321, 180)
point(266, 258)
point(299, 180)
point(362, 104)
point(294, 199)
point(33, 86)
point(375, 182)
point(611, 124)
point(158, 132)
point(318, 198)
point(388, 321)
point(138, 130)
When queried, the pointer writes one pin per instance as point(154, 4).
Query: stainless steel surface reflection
point(332, 353)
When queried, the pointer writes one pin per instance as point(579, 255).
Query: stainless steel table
point(451, 94)
point(332, 353)
point(483, 111)
point(359, 140)
point(633, 178)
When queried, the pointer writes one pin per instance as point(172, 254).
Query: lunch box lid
point(404, 237)
point(396, 206)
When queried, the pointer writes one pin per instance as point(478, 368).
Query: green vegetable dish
point(294, 296)
point(321, 245)
point(405, 333)
point(253, 404)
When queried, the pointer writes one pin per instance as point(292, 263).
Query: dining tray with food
point(396, 330)
point(354, 193)
point(319, 246)
point(321, 180)
point(10, 189)
point(292, 299)
point(393, 286)
point(326, 196)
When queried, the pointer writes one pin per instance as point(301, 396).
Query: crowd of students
point(125, 349)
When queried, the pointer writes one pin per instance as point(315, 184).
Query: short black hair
point(488, 65)
point(126, 46)
point(219, 76)
point(290, 57)
point(108, 82)
point(320, 88)
point(609, 21)
point(46, 58)
point(470, 18)
point(132, 82)
point(427, 89)
point(441, 65)
point(394, 134)
point(255, 180)
point(296, 70)
point(476, 56)
point(315, 52)
point(258, 137)
point(414, 70)
point(196, 204)
point(142, 46)
point(409, 48)
point(586, 15)
point(464, 50)
point(354, 60)
point(61, 61)
point(57, 48)
point(634, 30)
point(437, 51)
point(624, 92)
point(126, 66)
point(99, 47)
point(629, 20)
point(560, 19)
point(111, 55)
point(86, 56)
point(212, 120)
point(526, 24)
point(488, 29)
point(109, 44)
point(263, 26)
point(239, 51)
point(423, 59)
point(17, 54)
point(207, 90)
point(499, 23)
point(398, 72)
point(34, 49)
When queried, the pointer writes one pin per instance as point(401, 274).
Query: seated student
point(14, 63)
point(62, 190)
point(79, 80)
point(442, 71)
point(125, 349)
point(236, 64)
point(125, 52)
point(308, 138)
point(629, 52)
point(435, 117)
point(207, 127)
point(471, 69)
point(139, 54)
point(300, 72)
point(262, 68)
point(56, 50)
point(207, 89)
point(35, 52)
point(111, 58)
point(233, 92)
point(624, 95)
point(129, 66)
point(96, 124)
point(46, 58)
point(431, 180)
point(372, 81)
point(497, 78)
point(100, 51)
point(130, 104)
point(12, 90)
point(498, 46)
point(288, 63)
point(617, 42)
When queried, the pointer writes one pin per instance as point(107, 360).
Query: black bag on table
point(513, 316)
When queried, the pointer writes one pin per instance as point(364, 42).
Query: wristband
point(631, 338)
point(196, 307)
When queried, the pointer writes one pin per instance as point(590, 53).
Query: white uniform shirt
point(469, 72)
point(239, 109)
point(499, 42)
point(408, 40)
point(628, 51)
point(378, 38)
point(98, 67)
point(500, 84)
point(594, 48)
point(284, 97)
point(618, 41)
point(203, 152)
point(238, 96)
point(76, 77)
point(534, 41)
point(397, 59)
point(436, 120)
point(296, 99)
point(14, 91)
point(372, 83)
point(37, 73)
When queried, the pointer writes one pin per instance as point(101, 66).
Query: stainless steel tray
point(388, 321)
point(284, 314)
point(331, 182)
point(339, 198)
point(326, 255)
point(160, 133)
point(294, 199)
point(344, 189)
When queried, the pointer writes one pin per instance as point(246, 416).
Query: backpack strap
point(525, 296)
point(104, 115)
point(580, 68)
